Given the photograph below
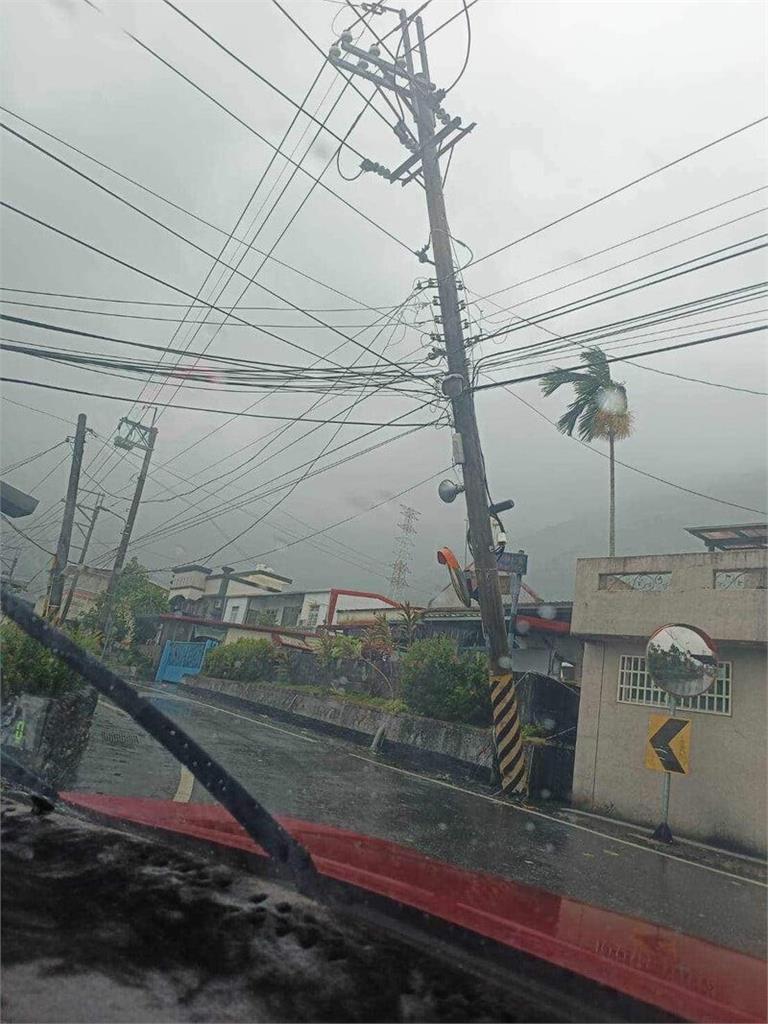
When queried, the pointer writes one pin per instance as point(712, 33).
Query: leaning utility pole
point(81, 560)
point(423, 100)
point(56, 585)
point(142, 437)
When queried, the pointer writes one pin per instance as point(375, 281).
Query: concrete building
point(198, 591)
point(306, 609)
point(618, 604)
point(90, 583)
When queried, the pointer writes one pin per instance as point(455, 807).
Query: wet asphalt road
point(298, 773)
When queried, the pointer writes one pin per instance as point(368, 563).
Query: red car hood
point(689, 977)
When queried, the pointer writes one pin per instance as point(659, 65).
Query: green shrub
point(346, 648)
point(28, 667)
point(244, 660)
point(440, 682)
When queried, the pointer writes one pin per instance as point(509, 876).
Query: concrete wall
point(690, 597)
point(453, 742)
point(366, 613)
point(723, 799)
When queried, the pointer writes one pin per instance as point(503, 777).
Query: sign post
point(681, 660)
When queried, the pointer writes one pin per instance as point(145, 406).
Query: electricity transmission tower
point(421, 99)
point(404, 543)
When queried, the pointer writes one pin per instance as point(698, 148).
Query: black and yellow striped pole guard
point(508, 735)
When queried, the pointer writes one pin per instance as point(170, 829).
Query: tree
point(30, 668)
point(599, 411)
point(440, 682)
point(410, 623)
point(244, 660)
point(377, 639)
point(136, 600)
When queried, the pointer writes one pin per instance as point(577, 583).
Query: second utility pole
point(81, 560)
point(56, 586)
point(146, 440)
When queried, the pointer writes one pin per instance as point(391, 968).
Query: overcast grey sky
point(571, 100)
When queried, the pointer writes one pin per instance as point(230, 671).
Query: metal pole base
point(663, 834)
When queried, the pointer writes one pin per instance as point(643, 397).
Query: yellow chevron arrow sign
point(668, 748)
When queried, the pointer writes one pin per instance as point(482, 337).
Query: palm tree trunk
point(612, 504)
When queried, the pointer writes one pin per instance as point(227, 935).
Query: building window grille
point(636, 581)
point(741, 579)
point(635, 687)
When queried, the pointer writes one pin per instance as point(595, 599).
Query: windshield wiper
point(289, 855)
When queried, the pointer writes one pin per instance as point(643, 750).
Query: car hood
point(684, 975)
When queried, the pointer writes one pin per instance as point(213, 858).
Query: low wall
point(424, 742)
point(464, 751)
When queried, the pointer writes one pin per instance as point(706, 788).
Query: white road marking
point(183, 792)
point(560, 821)
point(680, 839)
point(234, 714)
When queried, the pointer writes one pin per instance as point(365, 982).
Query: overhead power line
point(641, 321)
point(31, 458)
point(617, 245)
point(185, 305)
point(189, 213)
point(619, 359)
point(31, 408)
point(262, 138)
point(626, 465)
point(193, 408)
point(189, 340)
point(170, 320)
point(189, 242)
point(343, 522)
point(460, 75)
point(26, 537)
point(291, 370)
point(277, 431)
point(698, 380)
point(633, 259)
point(153, 277)
point(247, 497)
point(637, 284)
point(621, 188)
point(266, 81)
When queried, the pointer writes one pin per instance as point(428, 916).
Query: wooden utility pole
point(56, 585)
point(81, 561)
point(139, 436)
point(423, 99)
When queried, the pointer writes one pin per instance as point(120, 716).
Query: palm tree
point(599, 410)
